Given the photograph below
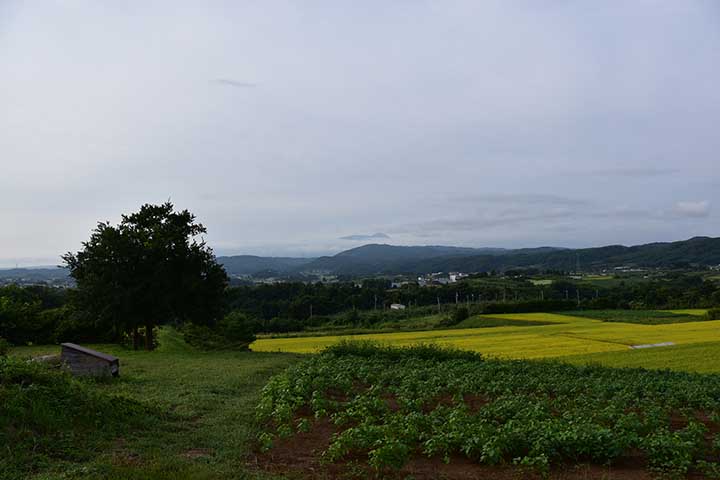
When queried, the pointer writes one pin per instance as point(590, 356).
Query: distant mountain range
point(391, 259)
point(34, 274)
point(377, 259)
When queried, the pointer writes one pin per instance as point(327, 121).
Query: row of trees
point(301, 302)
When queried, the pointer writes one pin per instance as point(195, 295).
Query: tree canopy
point(148, 270)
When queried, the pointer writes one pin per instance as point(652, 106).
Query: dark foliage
point(423, 351)
point(234, 331)
point(148, 270)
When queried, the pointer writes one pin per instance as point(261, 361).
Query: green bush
point(460, 314)
point(714, 314)
point(423, 351)
point(237, 328)
point(234, 331)
point(4, 347)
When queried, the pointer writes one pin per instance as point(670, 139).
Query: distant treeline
point(43, 315)
point(293, 306)
point(46, 315)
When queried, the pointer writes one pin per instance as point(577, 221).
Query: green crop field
point(385, 407)
point(563, 335)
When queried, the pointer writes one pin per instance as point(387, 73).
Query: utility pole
point(376, 301)
point(577, 291)
point(456, 297)
point(438, 302)
point(567, 296)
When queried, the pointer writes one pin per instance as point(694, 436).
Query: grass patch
point(47, 416)
point(642, 317)
point(207, 400)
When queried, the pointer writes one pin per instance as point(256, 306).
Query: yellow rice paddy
point(566, 336)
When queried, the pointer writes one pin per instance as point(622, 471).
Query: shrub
point(234, 331)
point(202, 337)
point(423, 351)
point(460, 314)
point(237, 328)
point(4, 347)
point(352, 317)
point(714, 314)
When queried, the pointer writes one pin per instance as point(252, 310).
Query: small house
point(397, 306)
point(85, 361)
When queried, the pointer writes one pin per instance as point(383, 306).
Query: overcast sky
point(307, 127)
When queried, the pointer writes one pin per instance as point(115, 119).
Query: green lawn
point(211, 398)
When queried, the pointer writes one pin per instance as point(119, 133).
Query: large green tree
point(150, 269)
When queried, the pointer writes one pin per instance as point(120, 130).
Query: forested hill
point(390, 259)
point(372, 259)
point(698, 251)
point(249, 264)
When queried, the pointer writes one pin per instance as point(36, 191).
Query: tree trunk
point(136, 338)
point(148, 337)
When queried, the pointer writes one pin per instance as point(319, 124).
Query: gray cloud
point(519, 198)
point(634, 172)
point(235, 83)
point(699, 209)
point(361, 237)
point(567, 125)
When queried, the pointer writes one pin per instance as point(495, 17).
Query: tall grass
point(46, 415)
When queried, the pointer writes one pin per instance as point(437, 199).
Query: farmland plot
point(392, 408)
point(557, 336)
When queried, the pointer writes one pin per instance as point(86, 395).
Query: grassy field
point(210, 399)
point(690, 357)
point(699, 312)
point(564, 335)
point(645, 317)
